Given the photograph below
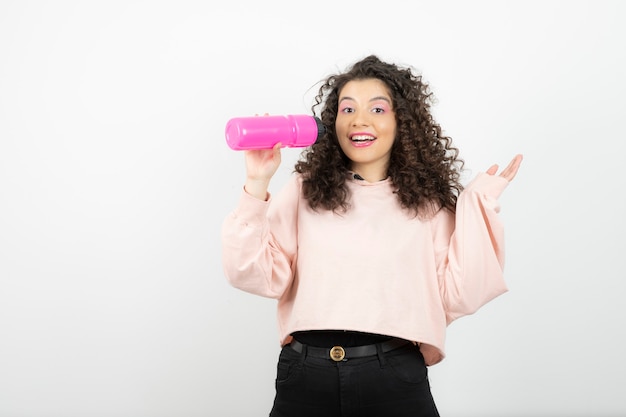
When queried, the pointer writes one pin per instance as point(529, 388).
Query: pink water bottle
point(263, 132)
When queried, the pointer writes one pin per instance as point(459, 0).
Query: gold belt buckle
point(337, 353)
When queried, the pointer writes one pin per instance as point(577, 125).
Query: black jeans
point(392, 384)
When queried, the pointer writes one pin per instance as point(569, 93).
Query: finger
point(492, 169)
point(277, 151)
point(511, 170)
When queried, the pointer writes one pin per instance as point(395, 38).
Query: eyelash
point(377, 110)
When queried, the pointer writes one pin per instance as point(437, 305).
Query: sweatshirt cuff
point(488, 185)
point(251, 210)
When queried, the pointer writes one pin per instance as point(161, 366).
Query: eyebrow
point(372, 99)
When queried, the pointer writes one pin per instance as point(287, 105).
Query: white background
point(115, 178)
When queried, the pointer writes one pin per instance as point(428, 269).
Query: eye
point(378, 109)
point(346, 109)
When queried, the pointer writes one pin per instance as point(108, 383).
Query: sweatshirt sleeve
point(470, 248)
point(258, 254)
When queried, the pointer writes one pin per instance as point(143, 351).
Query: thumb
point(492, 169)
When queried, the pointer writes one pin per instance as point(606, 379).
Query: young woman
point(372, 248)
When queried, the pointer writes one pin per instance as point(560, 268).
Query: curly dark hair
point(424, 167)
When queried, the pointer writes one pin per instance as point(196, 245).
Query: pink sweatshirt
point(376, 268)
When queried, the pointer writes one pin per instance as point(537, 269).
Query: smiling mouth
point(362, 138)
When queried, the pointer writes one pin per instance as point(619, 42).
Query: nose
point(359, 119)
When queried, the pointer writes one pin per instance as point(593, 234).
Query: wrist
point(257, 188)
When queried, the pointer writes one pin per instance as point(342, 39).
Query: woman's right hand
point(261, 165)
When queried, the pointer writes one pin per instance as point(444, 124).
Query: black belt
point(339, 353)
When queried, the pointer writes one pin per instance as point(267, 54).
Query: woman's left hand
point(510, 171)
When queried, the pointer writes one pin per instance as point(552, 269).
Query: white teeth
point(362, 138)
